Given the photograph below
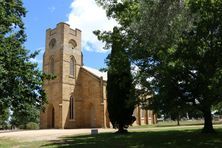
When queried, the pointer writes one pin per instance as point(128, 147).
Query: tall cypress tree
point(120, 90)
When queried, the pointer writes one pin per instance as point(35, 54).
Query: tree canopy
point(176, 46)
point(21, 80)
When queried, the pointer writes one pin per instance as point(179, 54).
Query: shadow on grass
point(157, 139)
point(174, 124)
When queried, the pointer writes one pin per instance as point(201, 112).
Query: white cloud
point(36, 60)
point(87, 16)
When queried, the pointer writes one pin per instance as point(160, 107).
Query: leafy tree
point(21, 81)
point(200, 54)
point(185, 63)
point(160, 26)
point(23, 116)
point(176, 45)
point(218, 108)
point(151, 30)
point(4, 118)
point(120, 91)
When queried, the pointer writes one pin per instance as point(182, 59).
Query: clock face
point(52, 43)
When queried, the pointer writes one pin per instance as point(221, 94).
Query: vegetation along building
point(77, 96)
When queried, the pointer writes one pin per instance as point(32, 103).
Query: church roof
point(96, 72)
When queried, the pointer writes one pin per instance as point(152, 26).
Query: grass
point(147, 139)
point(152, 137)
point(174, 123)
point(10, 143)
point(163, 137)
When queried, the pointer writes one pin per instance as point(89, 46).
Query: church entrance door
point(53, 118)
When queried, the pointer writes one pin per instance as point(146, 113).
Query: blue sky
point(82, 14)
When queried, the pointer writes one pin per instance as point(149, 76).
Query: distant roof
point(96, 72)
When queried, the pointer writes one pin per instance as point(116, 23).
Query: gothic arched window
point(52, 65)
point(52, 43)
point(72, 67)
point(71, 108)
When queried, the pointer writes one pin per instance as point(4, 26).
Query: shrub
point(32, 125)
point(22, 126)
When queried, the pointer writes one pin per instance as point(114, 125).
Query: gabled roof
point(96, 72)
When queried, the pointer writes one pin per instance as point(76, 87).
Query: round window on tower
point(72, 44)
point(52, 43)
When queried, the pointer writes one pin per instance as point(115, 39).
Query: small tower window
point(72, 67)
point(71, 108)
point(52, 43)
point(72, 44)
point(52, 65)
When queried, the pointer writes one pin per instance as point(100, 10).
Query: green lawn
point(174, 123)
point(162, 137)
point(153, 139)
point(9, 143)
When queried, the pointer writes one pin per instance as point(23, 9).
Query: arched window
point(71, 108)
point(72, 67)
point(52, 65)
point(52, 43)
point(72, 44)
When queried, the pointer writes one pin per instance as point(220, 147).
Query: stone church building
point(77, 96)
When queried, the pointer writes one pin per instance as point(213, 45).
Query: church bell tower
point(62, 58)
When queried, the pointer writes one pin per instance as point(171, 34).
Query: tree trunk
point(121, 130)
point(208, 126)
point(178, 120)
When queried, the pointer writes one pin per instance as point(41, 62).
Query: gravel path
point(47, 134)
